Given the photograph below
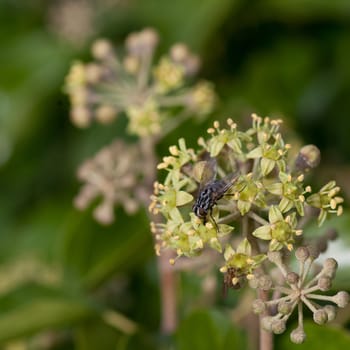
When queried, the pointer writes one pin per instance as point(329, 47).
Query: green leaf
point(92, 253)
point(206, 17)
point(317, 337)
point(95, 334)
point(34, 308)
point(208, 330)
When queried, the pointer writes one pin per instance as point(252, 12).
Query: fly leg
point(213, 220)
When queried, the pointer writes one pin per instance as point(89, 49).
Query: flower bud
point(331, 312)
point(322, 244)
point(320, 316)
point(292, 277)
point(104, 213)
point(265, 282)
point(308, 158)
point(324, 284)
point(105, 114)
point(302, 253)
point(278, 326)
point(330, 267)
point(331, 234)
point(341, 299)
point(298, 336)
point(93, 73)
point(330, 264)
point(81, 116)
point(284, 307)
point(258, 306)
point(275, 257)
point(314, 252)
point(102, 49)
point(266, 323)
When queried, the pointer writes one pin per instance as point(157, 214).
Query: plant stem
point(167, 278)
point(266, 338)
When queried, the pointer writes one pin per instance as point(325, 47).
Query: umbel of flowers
point(256, 220)
point(155, 96)
point(133, 84)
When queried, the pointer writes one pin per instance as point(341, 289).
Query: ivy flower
point(240, 263)
point(327, 200)
point(291, 192)
point(279, 231)
point(247, 192)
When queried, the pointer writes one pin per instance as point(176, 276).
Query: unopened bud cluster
point(113, 175)
point(300, 289)
point(147, 93)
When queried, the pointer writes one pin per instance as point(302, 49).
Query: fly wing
point(208, 172)
point(229, 180)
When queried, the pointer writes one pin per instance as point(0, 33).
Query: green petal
point(293, 219)
point(322, 217)
point(300, 207)
point(176, 216)
point(263, 232)
point(182, 145)
point(243, 207)
point(275, 245)
point(215, 146)
point(224, 230)
point(183, 198)
point(328, 186)
point(283, 177)
point(267, 166)
point(236, 145)
point(255, 153)
point(244, 247)
point(229, 252)
point(285, 204)
point(258, 259)
point(275, 188)
point(281, 165)
point(215, 244)
point(198, 169)
point(314, 200)
point(275, 214)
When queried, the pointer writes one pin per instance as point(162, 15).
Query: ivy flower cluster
point(296, 289)
point(267, 190)
point(113, 175)
point(131, 84)
point(259, 215)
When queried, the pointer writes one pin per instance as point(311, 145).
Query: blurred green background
point(59, 270)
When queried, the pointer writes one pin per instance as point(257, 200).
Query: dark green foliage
point(282, 58)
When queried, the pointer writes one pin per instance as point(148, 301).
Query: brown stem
point(266, 338)
point(167, 278)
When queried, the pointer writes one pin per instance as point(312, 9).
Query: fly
point(210, 191)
